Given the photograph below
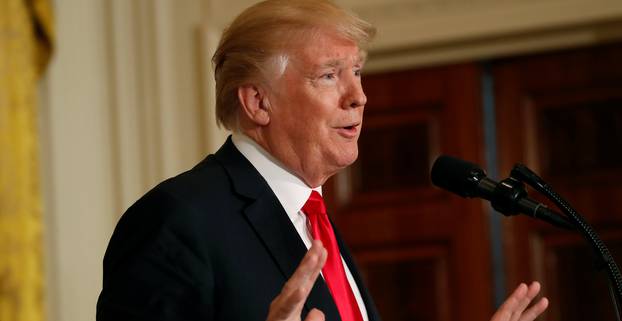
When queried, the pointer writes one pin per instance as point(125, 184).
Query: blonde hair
point(262, 33)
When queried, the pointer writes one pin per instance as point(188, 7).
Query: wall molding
point(494, 47)
point(429, 32)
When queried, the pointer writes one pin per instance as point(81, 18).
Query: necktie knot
point(314, 205)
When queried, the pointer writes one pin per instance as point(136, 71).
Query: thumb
point(315, 315)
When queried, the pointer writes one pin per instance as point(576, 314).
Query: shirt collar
point(290, 190)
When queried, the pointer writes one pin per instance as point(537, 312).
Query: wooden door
point(561, 114)
point(424, 253)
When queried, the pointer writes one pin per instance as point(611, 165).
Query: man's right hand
point(287, 306)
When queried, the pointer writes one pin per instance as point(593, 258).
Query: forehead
point(326, 49)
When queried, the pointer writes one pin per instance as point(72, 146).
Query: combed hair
point(265, 31)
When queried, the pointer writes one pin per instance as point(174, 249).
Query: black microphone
point(507, 197)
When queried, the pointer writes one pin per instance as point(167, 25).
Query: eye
point(357, 72)
point(329, 76)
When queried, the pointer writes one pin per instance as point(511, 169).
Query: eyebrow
point(334, 63)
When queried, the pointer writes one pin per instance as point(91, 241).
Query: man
point(233, 238)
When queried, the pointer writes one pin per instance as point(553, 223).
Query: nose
point(355, 96)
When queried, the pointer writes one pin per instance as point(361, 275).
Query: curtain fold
point(26, 37)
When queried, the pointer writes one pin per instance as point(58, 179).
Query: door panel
point(561, 114)
point(423, 252)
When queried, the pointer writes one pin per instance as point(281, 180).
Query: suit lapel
point(372, 312)
point(269, 220)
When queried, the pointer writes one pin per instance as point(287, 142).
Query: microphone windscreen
point(456, 175)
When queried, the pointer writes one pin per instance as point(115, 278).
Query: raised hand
point(515, 307)
point(287, 306)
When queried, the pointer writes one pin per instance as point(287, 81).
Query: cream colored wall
point(77, 162)
point(123, 106)
point(128, 101)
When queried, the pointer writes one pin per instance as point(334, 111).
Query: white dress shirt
point(292, 193)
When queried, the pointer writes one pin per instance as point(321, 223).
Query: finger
point(535, 310)
point(315, 315)
point(505, 311)
point(533, 290)
point(309, 268)
point(295, 291)
point(523, 303)
point(515, 298)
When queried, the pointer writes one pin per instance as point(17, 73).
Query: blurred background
point(102, 99)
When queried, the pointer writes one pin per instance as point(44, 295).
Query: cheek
point(311, 114)
point(315, 121)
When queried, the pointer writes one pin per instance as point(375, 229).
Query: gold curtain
point(26, 36)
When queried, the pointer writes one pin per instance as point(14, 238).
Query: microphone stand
point(522, 173)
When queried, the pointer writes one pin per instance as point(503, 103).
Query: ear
point(255, 104)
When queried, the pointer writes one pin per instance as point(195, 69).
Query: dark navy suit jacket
point(213, 243)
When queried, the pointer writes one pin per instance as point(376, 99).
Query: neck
point(312, 175)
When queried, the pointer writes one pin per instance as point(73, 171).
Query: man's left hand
point(515, 307)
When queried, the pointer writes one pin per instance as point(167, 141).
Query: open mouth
point(350, 131)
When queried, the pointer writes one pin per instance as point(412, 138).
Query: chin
point(348, 156)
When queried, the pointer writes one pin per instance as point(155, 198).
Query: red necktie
point(333, 272)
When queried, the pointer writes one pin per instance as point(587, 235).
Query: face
point(316, 108)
